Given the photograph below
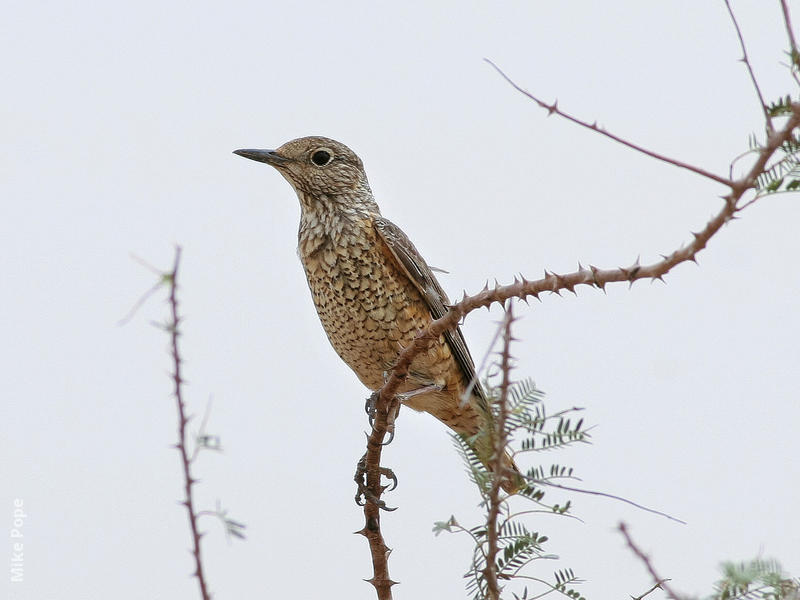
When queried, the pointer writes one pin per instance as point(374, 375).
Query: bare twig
point(500, 443)
point(183, 421)
point(553, 109)
point(746, 61)
point(612, 496)
point(658, 580)
point(656, 586)
point(788, 22)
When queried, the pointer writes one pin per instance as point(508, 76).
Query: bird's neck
point(324, 219)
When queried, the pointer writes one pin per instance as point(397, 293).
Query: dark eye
point(321, 158)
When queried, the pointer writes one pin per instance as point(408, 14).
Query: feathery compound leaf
point(510, 544)
point(781, 108)
point(757, 579)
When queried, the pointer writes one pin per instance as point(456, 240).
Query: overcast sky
point(118, 125)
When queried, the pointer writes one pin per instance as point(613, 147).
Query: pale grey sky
point(118, 125)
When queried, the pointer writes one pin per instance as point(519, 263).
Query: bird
point(374, 292)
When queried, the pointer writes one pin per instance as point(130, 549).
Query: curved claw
point(391, 437)
point(388, 473)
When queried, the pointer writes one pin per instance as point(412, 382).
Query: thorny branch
point(553, 109)
point(183, 422)
point(659, 581)
point(500, 443)
point(592, 276)
point(386, 402)
point(746, 60)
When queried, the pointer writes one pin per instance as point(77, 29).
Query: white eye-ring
point(322, 156)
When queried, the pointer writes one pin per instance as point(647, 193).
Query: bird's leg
point(423, 390)
point(401, 399)
point(372, 401)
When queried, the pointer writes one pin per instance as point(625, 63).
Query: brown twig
point(612, 496)
point(746, 61)
point(659, 581)
point(553, 109)
point(794, 54)
point(788, 22)
point(592, 276)
point(500, 443)
point(183, 421)
point(656, 586)
point(386, 404)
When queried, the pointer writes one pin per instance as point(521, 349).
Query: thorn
point(633, 270)
point(556, 277)
point(660, 278)
point(485, 286)
point(562, 282)
point(599, 284)
point(552, 108)
point(362, 531)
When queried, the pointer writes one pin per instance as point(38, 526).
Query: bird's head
point(321, 170)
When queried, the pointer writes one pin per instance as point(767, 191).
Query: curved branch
point(659, 581)
point(552, 282)
point(553, 109)
point(386, 402)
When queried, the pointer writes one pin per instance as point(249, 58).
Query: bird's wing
point(411, 262)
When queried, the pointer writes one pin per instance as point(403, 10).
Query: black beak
point(266, 156)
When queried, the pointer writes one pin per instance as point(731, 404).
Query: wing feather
point(411, 262)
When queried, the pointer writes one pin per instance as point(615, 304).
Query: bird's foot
point(363, 494)
point(371, 406)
